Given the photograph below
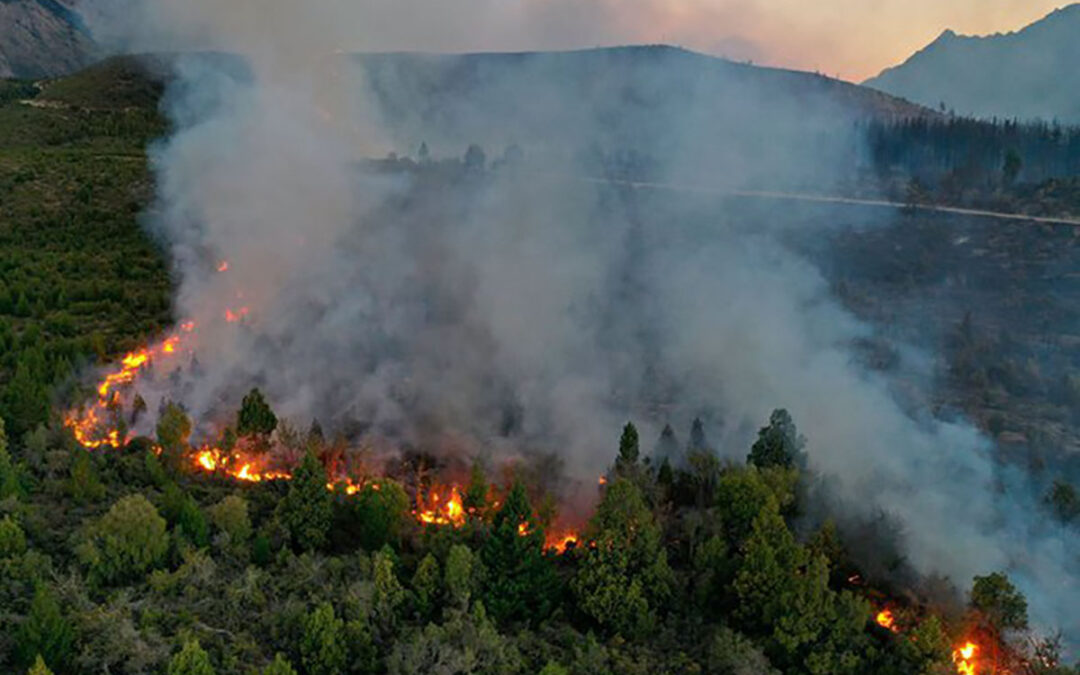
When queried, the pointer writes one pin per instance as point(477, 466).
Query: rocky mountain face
point(42, 38)
point(1028, 74)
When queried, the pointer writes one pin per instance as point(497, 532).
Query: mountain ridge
point(1025, 74)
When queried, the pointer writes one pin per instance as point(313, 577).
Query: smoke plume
point(525, 309)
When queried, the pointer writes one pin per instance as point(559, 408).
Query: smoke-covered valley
point(522, 304)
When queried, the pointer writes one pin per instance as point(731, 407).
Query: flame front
point(91, 425)
point(98, 425)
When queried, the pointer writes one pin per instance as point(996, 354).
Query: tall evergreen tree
point(45, 633)
point(307, 509)
point(322, 647)
point(698, 441)
point(26, 400)
point(667, 446)
point(255, 417)
point(626, 463)
point(521, 583)
point(624, 578)
point(778, 444)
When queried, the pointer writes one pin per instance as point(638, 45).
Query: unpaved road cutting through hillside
point(826, 199)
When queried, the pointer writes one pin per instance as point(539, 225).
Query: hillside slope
point(1031, 73)
point(42, 38)
point(665, 110)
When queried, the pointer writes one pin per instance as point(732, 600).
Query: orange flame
point(561, 542)
point(207, 459)
point(964, 658)
point(885, 619)
point(433, 513)
point(223, 266)
point(91, 425)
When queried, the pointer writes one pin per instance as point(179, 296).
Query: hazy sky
point(850, 38)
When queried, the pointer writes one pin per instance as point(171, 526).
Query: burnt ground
point(996, 306)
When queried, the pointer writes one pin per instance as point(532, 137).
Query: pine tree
point(322, 647)
point(476, 495)
point(667, 446)
point(26, 399)
point(307, 509)
point(173, 430)
point(624, 577)
point(10, 473)
point(255, 417)
point(389, 593)
point(521, 584)
point(698, 441)
point(84, 485)
point(192, 659)
point(12, 538)
point(629, 450)
point(45, 633)
point(279, 666)
point(459, 576)
point(778, 444)
point(425, 586)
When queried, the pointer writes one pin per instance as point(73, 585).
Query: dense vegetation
point(79, 281)
point(130, 562)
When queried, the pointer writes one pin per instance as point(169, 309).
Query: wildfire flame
point(965, 658)
point(561, 542)
point(450, 512)
point(223, 266)
point(98, 425)
point(885, 619)
point(92, 425)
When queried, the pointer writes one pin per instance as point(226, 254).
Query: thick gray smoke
point(525, 309)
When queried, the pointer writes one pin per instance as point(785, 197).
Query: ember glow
point(235, 316)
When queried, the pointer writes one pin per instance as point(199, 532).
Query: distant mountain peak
point(1029, 73)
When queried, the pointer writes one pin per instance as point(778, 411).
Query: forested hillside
point(158, 556)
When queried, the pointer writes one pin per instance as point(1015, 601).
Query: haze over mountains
point(637, 111)
point(1031, 73)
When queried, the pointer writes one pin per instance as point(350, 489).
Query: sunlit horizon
point(849, 39)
